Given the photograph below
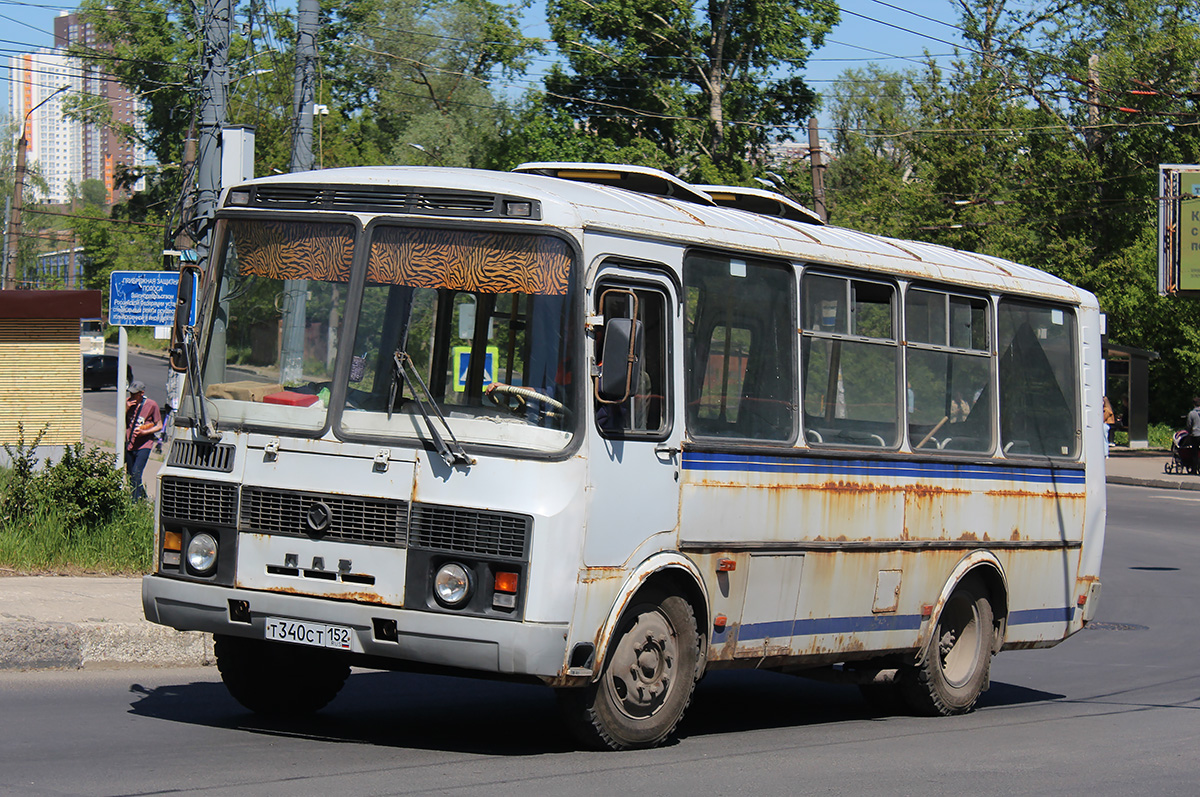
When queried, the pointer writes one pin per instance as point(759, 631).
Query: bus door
point(634, 457)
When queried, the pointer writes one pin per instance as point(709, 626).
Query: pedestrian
point(1193, 421)
point(1110, 418)
point(142, 422)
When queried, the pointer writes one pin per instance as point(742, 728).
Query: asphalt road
point(1114, 710)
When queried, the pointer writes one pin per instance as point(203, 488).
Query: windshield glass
point(486, 318)
point(273, 333)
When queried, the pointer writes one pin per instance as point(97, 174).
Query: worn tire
point(952, 672)
point(278, 679)
point(648, 678)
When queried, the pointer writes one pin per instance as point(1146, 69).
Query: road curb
point(28, 645)
point(1161, 484)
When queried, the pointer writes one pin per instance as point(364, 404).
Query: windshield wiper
point(402, 365)
point(194, 385)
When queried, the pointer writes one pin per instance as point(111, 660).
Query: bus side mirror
point(621, 362)
point(185, 300)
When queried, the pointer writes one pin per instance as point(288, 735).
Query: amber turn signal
point(172, 541)
point(507, 582)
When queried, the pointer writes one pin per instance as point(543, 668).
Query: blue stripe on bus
point(782, 629)
point(1059, 614)
point(700, 461)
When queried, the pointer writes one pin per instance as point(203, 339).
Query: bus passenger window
point(739, 350)
point(948, 370)
point(849, 347)
point(645, 412)
point(1038, 380)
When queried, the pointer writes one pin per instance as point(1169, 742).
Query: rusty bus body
point(644, 430)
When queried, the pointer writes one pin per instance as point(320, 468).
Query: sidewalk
point(1144, 468)
point(72, 622)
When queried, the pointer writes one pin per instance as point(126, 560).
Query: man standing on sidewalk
point(142, 422)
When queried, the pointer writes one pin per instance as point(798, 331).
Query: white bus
point(593, 426)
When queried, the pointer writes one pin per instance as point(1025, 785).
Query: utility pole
point(295, 292)
point(818, 169)
point(214, 90)
point(1092, 133)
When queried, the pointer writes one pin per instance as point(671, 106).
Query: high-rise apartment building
point(104, 148)
point(68, 152)
point(54, 143)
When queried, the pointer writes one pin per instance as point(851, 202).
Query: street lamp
point(10, 271)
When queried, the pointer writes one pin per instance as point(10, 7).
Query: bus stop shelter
point(1127, 384)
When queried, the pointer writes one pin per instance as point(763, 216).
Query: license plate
point(318, 635)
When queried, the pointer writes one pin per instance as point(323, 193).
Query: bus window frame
point(621, 274)
point(1076, 398)
point(790, 359)
point(991, 304)
point(896, 342)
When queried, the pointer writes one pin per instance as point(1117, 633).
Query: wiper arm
point(402, 366)
point(195, 387)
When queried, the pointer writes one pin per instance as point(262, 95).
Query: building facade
point(68, 152)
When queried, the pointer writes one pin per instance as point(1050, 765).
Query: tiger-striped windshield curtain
point(478, 261)
point(293, 249)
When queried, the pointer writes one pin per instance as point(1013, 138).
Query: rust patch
point(593, 575)
point(351, 597)
point(729, 647)
point(1051, 494)
point(1015, 536)
point(968, 536)
point(919, 490)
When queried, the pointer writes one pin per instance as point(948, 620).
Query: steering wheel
point(500, 393)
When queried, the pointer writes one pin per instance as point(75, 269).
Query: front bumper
point(472, 643)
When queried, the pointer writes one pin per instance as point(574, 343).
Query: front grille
point(367, 520)
point(202, 456)
point(471, 531)
point(195, 501)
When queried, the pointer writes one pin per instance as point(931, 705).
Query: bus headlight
point(452, 585)
point(202, 554)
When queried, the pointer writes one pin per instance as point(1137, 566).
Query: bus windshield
point(475, 326)
point(484, 318)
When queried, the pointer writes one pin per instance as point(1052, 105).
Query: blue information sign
point(142, 298)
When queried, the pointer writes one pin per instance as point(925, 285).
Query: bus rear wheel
point(647, 681)
point(277, 679)
point(953, 671)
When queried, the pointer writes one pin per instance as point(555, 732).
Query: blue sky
point(871, 31)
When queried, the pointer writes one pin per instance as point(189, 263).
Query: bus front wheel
point(647, 680)
point(953, 671)
point(278, 679)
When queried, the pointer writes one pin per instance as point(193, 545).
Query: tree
point(426, 72)
point(710, 86)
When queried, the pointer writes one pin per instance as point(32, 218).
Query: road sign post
point(136, 299)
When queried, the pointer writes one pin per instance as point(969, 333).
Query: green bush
point(72, 514)
point(82, 489)
point(1160, 435)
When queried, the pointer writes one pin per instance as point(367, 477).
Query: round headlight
point(452, 585)
point(202, 553)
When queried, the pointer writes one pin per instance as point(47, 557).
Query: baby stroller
point(1185, 454)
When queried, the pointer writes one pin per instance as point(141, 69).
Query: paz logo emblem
point(318, 517)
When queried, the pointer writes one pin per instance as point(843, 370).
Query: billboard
point(1179, 230)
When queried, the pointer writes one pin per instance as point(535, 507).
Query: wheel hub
point(643, 666)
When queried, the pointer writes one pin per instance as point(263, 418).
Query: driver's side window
point(645, 413)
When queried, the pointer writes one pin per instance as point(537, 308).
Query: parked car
point(100, 371)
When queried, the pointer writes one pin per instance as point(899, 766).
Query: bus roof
point(593, 206)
